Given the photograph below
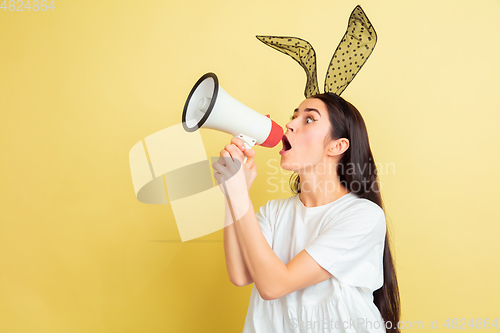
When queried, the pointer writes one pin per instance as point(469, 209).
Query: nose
point(290, 126)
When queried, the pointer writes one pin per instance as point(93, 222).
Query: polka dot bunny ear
point(302, 52)
point(353, 51)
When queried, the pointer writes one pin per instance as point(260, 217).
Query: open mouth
point(286, 145)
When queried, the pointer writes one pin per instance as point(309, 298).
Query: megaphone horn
point(209, 106)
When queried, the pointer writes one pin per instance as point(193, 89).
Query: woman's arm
point(273, 279)
point(235, 264)
point(262, 264)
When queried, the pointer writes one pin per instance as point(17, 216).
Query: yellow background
point(79, 86)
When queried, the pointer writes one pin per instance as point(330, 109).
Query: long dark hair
point(363, 181)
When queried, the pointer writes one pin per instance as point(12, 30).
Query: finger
point(250, 163)
point(223, 158)
point(236, 156)
point(229, 155)
point(250, 155)
point(217, 177)
point(227, 165)
point(234, 151)
point(222, 170)
point(226, 158)
point(249, 152)
point(238, 142)
point(224, 153)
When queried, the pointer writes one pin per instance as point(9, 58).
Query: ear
point(302, 52)
point(338, 147)
point(353, 51)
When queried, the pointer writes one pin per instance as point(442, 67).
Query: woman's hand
point(231, 162)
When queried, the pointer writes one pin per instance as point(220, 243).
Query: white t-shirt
point(346, 237)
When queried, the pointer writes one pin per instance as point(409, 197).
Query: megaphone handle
point(247, 147)
point(248, 142)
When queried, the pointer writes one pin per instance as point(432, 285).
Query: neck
point(320, 188)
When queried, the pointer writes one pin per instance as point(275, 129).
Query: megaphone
point(209, 106)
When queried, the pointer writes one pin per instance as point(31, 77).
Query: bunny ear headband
point(353, 51)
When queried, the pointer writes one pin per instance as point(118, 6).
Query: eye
point(312, 119)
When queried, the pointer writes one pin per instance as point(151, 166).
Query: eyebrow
point(308, 110)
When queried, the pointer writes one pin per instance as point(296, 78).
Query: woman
point(320, 260)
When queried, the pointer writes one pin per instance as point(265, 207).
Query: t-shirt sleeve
point(265, 218)
point(351, 246)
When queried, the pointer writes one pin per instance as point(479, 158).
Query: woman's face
point(306, 133)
